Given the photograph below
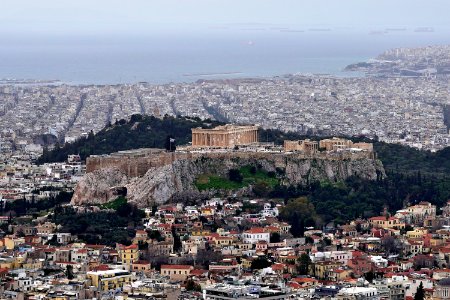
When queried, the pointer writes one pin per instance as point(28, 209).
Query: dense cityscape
point(408, 110)
point(226, 149)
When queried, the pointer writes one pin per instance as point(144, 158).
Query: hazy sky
point(148, 16)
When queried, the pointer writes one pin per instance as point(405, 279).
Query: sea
point(209, 54)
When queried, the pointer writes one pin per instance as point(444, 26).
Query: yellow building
point(386, 222)
point(223, 241)
point(246, 263)
point(109, 279)
point(141, 266)
point(31, 264)
point(325, 269)
point(176, 272)
point(200, 232)
point(417, 233)
point(128, 254)
point(7, 242)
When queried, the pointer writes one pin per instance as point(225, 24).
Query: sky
point(93, 17)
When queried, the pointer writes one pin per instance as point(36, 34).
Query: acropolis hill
point(157, 175)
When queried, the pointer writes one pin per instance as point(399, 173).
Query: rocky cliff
point(175, 181)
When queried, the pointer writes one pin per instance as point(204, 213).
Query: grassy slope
point(208, 181)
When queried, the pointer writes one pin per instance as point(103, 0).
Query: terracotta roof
point(383, 218)
point(304, 279)
point(95, 246)
point(255, 230)
point(294, 285)
point(183, 267)
point(198, 272)
point(278, 267)
point(141, 262)
point(100, 268)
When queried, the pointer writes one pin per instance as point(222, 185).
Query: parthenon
point(227, 136)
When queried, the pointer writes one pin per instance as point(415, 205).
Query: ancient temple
point(227, 136)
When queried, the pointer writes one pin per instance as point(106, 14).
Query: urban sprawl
point(228, 247)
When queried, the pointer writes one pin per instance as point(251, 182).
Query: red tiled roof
point(100, 268)
point(131, 247)
point(141, 262)
point(95, 246)
point(255, 230)
point(304, 279)
point(294, 285)
point(383, 218)
point(198, 272)
point(279, 267)
point(183, 267)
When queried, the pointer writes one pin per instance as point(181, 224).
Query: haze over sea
point(219, 52)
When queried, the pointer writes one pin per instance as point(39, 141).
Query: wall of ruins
point(137, 166)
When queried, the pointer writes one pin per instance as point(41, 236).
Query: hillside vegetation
point(151, 132)
point(236, 179)
point(412, 175)
point(138, 132)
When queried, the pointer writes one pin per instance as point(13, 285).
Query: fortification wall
point(137, 166)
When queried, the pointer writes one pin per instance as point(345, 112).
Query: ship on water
point(424, 29)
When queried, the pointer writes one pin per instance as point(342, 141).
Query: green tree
point(299, 213)
point(304, 263)
point(53, 241)
point(155, 235)
point(176, 241)
point(369, 276)
point(260, 263)
point(275, 237)
point(261, 189)
point(69, 272)
point(154, 209)
point(235, 175)
point(191, 285)
point(420, 293)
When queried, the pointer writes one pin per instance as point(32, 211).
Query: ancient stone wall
point(137, 166)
